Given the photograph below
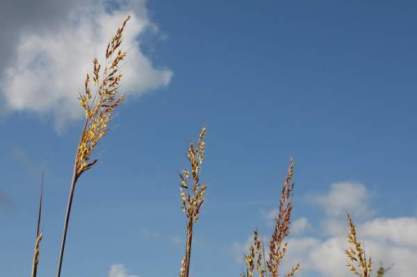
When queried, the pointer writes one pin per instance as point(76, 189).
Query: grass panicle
point(99, 100)
point(256, 260)
point(192, 194)
point(358, 263)
point(99, 106)
point(277, 245)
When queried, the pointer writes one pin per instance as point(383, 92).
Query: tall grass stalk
point(192, 193)
point(98, 106)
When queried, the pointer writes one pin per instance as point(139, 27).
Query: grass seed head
point(192, 192)
point(357, 263)
point(99, 100)
point(277, 246)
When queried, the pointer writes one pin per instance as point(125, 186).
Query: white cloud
point(345, 197)
point(46, 74)
point(397, 231)
point(390, 241)
point(270, 216)
point(119, 270)
point(299, 225)
point(383, 244)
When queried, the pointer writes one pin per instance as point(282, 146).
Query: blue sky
point(331, 83)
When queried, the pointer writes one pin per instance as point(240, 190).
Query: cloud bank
point(45, 71)
point(389, 241)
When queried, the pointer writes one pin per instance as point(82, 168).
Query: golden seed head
point(358, 263)
point(100, 107)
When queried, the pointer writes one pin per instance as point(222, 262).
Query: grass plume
point(256, 260)
point(277, 246)
point(99, 100)
point(192, 193)
point(358, 263)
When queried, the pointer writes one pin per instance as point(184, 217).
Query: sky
point(330, 83)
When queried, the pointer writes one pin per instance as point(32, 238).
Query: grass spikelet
point(255, 259)
point(382, 270)
point(250, 258)
point(358, 263)
point(192, 194)
point(293, 270)
point(277, 246)
point(99, 100)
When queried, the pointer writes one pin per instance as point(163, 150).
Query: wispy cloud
point(45, 74)
point(343, 197)
point(175, 240)
point(119, 270)
point(299, 226)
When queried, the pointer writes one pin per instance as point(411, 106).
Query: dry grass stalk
point(277, 246)
point(38, 235)
point(358, 263)
point(36, 253)
point(192, 194)
point(98, 106)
